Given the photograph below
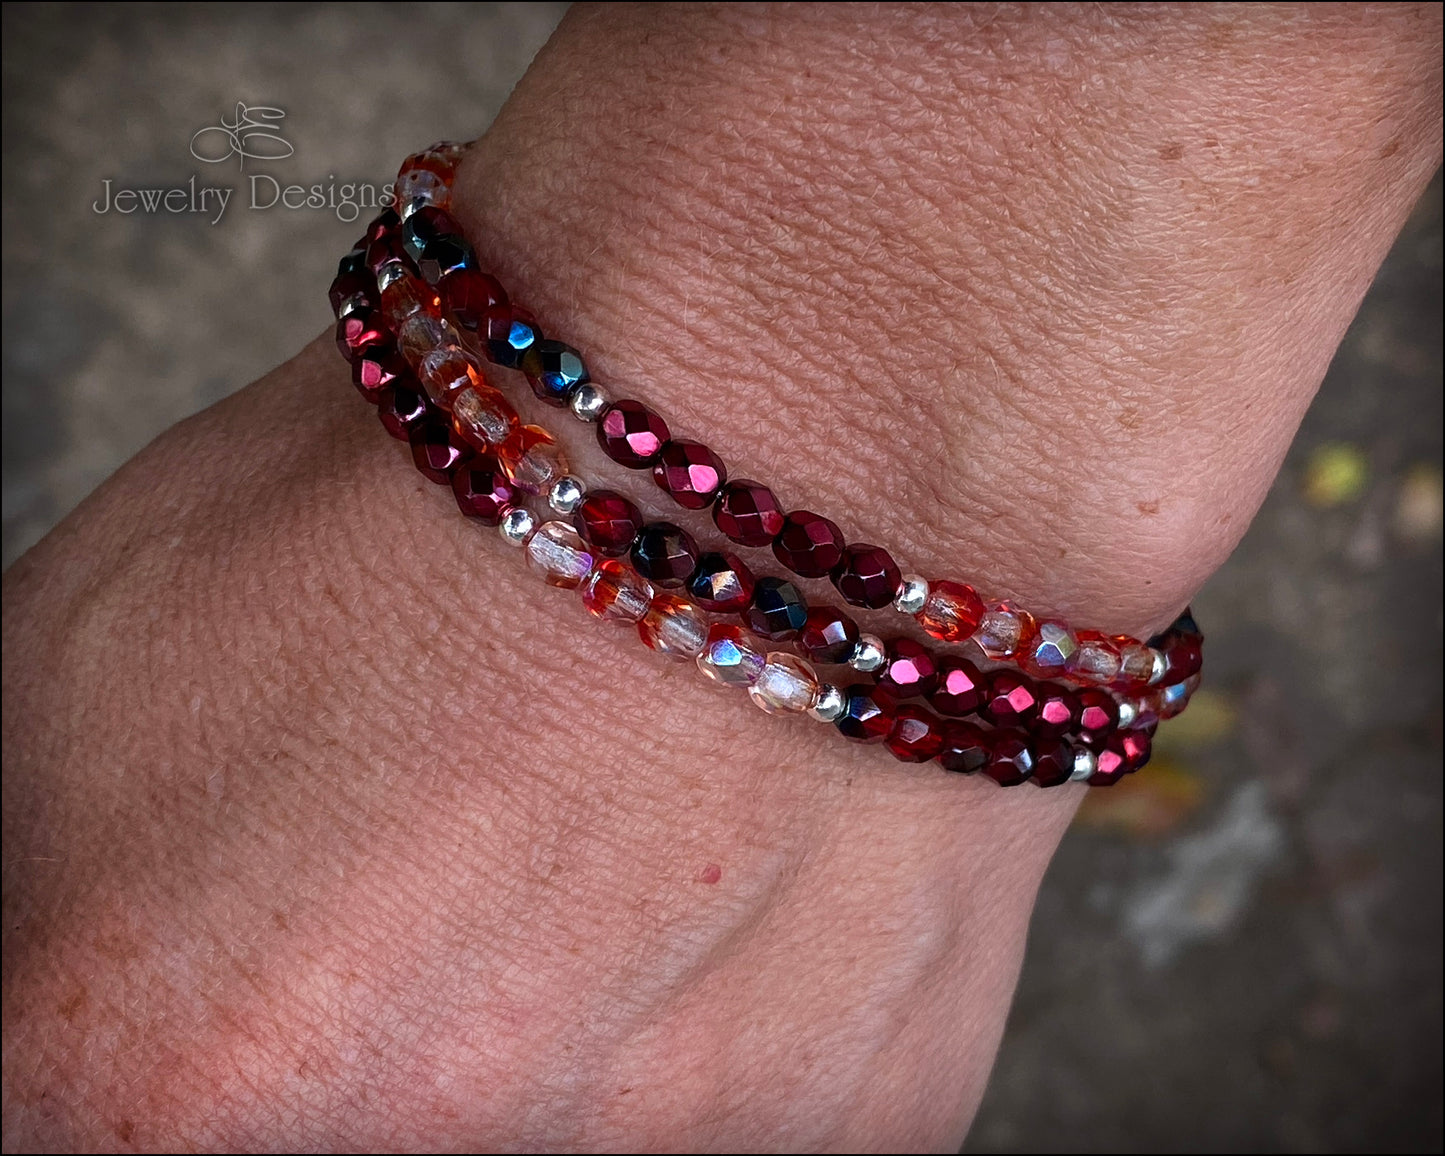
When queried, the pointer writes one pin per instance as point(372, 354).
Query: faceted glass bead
point(617, 592)
point(482, 491)
point(1053, 762)
point(1010, 760)
point(748, 513)
point(1183, 657)
point(1058, 711)
point(631, 434)
point(809, 544)
point(690, 472)
point(354, 265)
point(673, 628)
point(419, 335)
point(1097, 659)
point(779, 610)
point(865, 720)
point(721, 583)
point(664, 554)
point(1124, 753)
point(386, 224)
point(553, 370)
point(1049, 651)
point(960, 688)
point(555, 551)
point(728, 658)
point(999, 633)
point(608, 522)
point(352, 284)
point(401, 410)
point(915, 736)
point(467, 296)
point(445, 372)
point(360, 331)
point(436, 450)
point(511, 331)
point(828, 635)
point(910, 672)
point(1098, 715)
point(952, 611)
point(867, 576)
point(1170, 701)
point(404, 296)
point(966, 747)
point(483, 417)
point(425, 226)
point(786, 685)
point(1012, 699)
point(375, 369)
point(1111, 766)
point(443, 257)
point(1136, 665)
point(531, 460)
point(420, 186)
point(385, 246)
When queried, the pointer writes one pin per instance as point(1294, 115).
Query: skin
point(328, 826)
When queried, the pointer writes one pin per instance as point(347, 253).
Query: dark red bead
point(354, 264)
point(401, 409)
point(867, 576)
point(375, 369)
point(1012, 699)
point(1010, 760)
point(436, 450)
point(779, 610)
point(865, 720)
point(748, 513)
point(966, 747)
point(384, 247)
point(1112, 765)
point(960, 687)
point(664, 554)
point(467, 296)
point(916, 735)
point(1053, 762)
point(690, 472)
point(482, 490)
point(910, 671)
point(631, 434)
point(1098, 714)
point(828, 636)
point(1058, 711)
point(1183, 657)
point(608, 522)
point(348, 285)
point(357, 332)
point(386, 224)
point(809, 544)
point(1135, 745)
point(721, 583)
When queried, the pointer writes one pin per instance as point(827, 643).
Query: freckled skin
point(353, 835)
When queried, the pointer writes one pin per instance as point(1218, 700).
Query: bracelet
point(431, 390)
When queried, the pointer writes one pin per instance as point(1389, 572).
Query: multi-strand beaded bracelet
point(1019, 699)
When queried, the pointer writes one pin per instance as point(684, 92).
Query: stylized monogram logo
point(251, 135)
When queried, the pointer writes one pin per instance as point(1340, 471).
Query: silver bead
point(1161, 664)
point(390, 273)
point(868, 655)
point(566, 494)
point(831, 704)
point(1084, 764)
point(517, 525)
point(587, 402)
point(350, 305)
point(912, 594)
point(1128, 712)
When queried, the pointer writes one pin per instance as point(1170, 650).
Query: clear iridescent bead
point(673, 628)
point(558, 554)
point(727, 658)
point(786, 685)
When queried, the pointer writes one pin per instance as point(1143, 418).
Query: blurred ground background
point(1239, 951)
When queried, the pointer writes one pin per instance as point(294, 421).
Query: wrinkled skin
point(328, 826)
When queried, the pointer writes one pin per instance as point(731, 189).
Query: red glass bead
point(1183, 657)
point(966, 747)
point(353, 285)
point(375, 369)
point(446, 371)
point(690, 472)
point(865, 719)
point(910, 672)
point(357, 332)
point(617, 592)
point(916, 735)
point(673, 628)
point(1010, 761)
point(437, 451)
point(1117, 758)
point(631, 434)
point(483, 417)
point(608, 522)
point(960, 688)
point(721, 582)
point(867, 576)
point(748, 513)
point(1136, 665)
point(401, 409)
point(404, 296)
point(1098, 715)
point(467, 296)
point(828, 636)
point(482, 491)
point(951, 612)
point(425, 226)
point(1053, 762)
point(1097, 659)
point(809, 544)
point(383, 247)
point(1135, 746)
point(531, 459)
point(778, 611)
point(1012, 699)
point(1058, 711)
point(664, 554)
